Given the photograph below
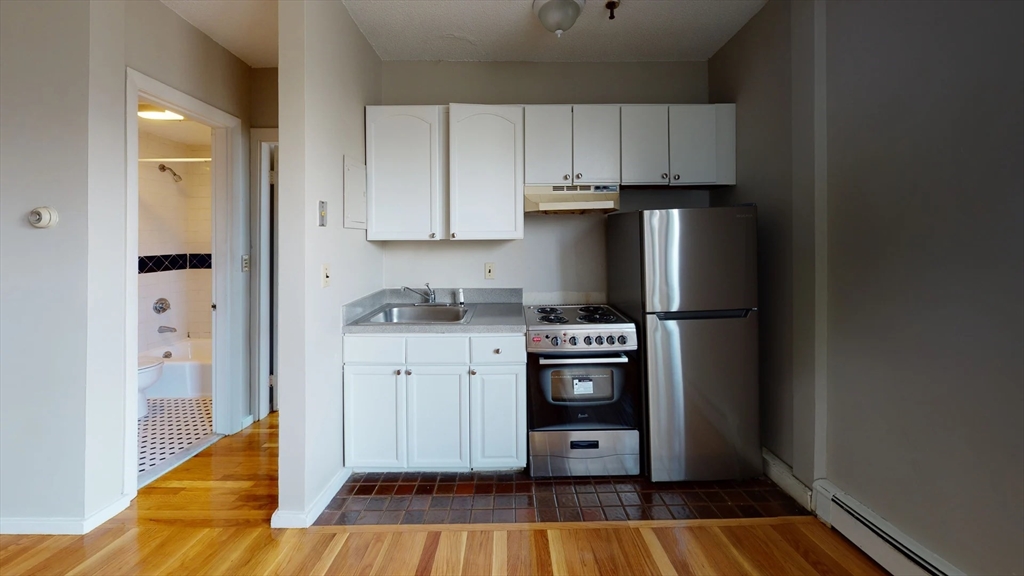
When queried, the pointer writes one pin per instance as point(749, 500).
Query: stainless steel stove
point(583, 387)
point(590, 328)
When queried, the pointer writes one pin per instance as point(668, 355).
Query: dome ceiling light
point(558, 15)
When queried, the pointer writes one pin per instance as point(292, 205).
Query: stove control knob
point(555, 340)
point(611, 340)
point(588, 340)
point(599, 340)
point(622, 340)
point(574, 340)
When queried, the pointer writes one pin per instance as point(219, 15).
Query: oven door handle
point(620, 359)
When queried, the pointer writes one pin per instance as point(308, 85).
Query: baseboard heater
point(883, 542)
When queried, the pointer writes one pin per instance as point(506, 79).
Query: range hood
point(581, 199)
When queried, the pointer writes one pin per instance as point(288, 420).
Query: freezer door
point(700, 259)
point(703, 395)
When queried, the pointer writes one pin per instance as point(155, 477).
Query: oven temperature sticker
point(582, 386)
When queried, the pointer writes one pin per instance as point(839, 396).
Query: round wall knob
point(579, 175)
point(497, 350)
point(433, 235)
point(566, 177)
point(676, 177)
point(472, 372)
point(398, 372)
point(408, 372)
point(453, 234)
point(664, 176)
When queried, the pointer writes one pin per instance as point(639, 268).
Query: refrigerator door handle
point(705, 314)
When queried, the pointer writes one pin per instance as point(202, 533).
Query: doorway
point(224, 316)
point(263, 175)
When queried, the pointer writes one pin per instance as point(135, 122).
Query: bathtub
point(188, 373)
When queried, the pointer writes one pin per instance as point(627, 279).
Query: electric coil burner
point(583, 387)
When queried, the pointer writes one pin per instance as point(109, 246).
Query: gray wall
point(926, 271)
point(753, 70)
point(263, 97)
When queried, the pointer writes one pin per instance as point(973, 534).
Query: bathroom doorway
point(263, 176)
point(187, 318)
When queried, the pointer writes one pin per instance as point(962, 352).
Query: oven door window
point(576, 386)
point(583, 395)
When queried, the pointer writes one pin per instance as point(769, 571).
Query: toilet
point(150, 369)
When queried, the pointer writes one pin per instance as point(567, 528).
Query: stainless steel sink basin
point(421, 315)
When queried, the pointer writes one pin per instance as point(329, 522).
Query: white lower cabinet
point(498, 407)
point(375, 405)
point(437, 416)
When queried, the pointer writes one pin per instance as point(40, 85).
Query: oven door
point(583, 392)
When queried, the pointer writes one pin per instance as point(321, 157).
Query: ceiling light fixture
point(150, 112)
point(558, 15)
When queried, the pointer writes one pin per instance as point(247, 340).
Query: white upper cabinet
point(548, 145)
point(645, 144)
point(702, 144)
point(404, 172)
point(596, 144)
point(486, 149)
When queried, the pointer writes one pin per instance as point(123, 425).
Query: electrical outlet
point(245, 263)
point(488, 270)
point(325, 276)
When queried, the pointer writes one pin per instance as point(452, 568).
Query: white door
point(548, 145)
point(403, 175)
point(645, 144)
point(693, 144)
point(595, 144)
point(374, 409)
point(486, 175)
point(438, 416)
point(498, 416)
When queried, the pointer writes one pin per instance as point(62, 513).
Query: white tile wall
point(174, 218)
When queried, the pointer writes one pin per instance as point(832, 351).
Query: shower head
point(165, 168)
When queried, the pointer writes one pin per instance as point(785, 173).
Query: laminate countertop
point(487, 318)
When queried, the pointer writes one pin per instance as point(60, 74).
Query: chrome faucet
point(430, 296)
point(164, 329)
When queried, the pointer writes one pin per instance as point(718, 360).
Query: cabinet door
point(645, 145)
point(595, 144)
point(548, 145)
point(498, 416)
point(438, 416)
point(403, 172)
point(693, 142)
point(374, 408)
point(486, 147)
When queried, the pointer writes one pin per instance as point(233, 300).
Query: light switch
point(488, 270)
point(322, 213)
point(325, 276)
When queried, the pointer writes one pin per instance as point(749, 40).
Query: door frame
point(261, 142)
point(230, 242)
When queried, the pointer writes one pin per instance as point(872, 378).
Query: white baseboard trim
point(779, 472)
point(883, 542)
point(74, 526)
point(248, 421)
point(287, 519)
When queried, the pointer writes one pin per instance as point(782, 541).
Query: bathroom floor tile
point(171, 426)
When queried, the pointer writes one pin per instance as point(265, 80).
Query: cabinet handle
point(472, 372)
point(433, 235)
point(579, 175)
point(497, 350)
point(566, 177)
point(408, 372)
point(398, 372)
point(676, 177)
point(664, 176)
point(453, 234)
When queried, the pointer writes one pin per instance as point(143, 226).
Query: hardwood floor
point(211, 515)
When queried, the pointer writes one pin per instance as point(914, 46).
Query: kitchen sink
point(421, 314)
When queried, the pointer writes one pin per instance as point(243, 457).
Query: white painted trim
point(65, 525)
point(260, 141)
point(285, 519)
point(820, 246)
point(879, 539)
point(247, 421)
point(230, 198)
point(779, 472)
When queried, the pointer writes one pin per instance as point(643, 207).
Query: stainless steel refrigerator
point(688, 277)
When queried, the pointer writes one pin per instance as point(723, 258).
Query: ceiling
point(182, 131)
point(247, 28)
point(508, 30)
point(491, 30)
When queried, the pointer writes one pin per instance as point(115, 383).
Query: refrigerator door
point(703, 395)
point(700, 259)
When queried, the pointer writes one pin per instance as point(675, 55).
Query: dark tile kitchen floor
point(473, 498)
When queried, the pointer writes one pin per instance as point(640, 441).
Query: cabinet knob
point(472, 372)
point(676, 177)
point(453, 234)
point(664, 176)
point(408, 372)
point(433, 235)
point(579, 175)
point(497, 350)
point(398, 372)
point(566, 177)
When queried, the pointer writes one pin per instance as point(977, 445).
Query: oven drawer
point(498, 349)
point(585, 453)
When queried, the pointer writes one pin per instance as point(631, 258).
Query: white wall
point(328, 73)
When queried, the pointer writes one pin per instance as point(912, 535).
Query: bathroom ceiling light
point(150, 112)
point(558, 15)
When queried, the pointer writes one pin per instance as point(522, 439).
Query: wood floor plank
point(451, 550)
point(337, 541)
point(426, 563)
point(683, 550)
point(477, 559)
point(840, 549)
point(402, 554)
point(499, 556)
point(657, 552)
point(766, 556)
